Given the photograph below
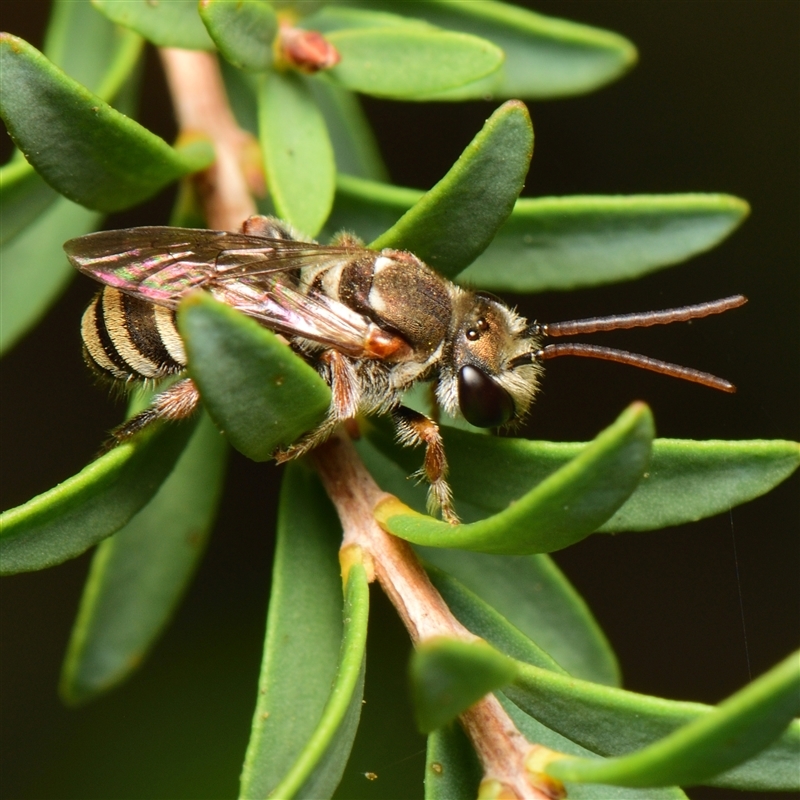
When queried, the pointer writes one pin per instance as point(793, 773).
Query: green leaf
point(685, 480)
point(107, 65)
point(563, 509)
point(616, 722)
point(452, 770)
point(320, 766)
point(335, 17)
point(243, 32)
point(735, 731)
point(487, 623)
point(562, 242)
point(103, 68)
point(409, 62)
point(308, 645)
point(531, 594)
point(557, 243)
point(545, 57)
point(449, 675)
point(688, 480)
point(367, 207)
point(170, 23)
point(298, 156)
point(456, 220)
point(33, 270)
point(102, 498)
point(24, 197)
point(81, 146)
point(354, 145)
point(139, 575)
point(255, 388)
point(534, 731)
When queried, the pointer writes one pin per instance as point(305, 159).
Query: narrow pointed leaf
point(24, 197)
point(139, 575)
point(354, 145)
point(243, 32)
point(319, 768)
point(103, 68)
point(81, 146)
point(532, 595)
point(534, 731)
point(563, 509)
point(298, 156)
point(456, 220)
point(487, 623)
point(452, 770)
point(256, 390)
point(614, 722)
point(408, 62)
point(23, 194)
point(67, 520)
point(738, 729)
point(449, 675)
point(545, 56)
point(685, 481)
point(688, 480)
point(303, 651)
point(171, 23)
point(557, 243)
point(562, 242)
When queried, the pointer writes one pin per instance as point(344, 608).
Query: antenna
point(642, 320)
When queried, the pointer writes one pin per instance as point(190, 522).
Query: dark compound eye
point(483, 403)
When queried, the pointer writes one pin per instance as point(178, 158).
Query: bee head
point(492, 379)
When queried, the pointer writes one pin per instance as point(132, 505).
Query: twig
point(504, 752)
point(201, 107)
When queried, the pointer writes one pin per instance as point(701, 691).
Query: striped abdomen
point(131, 339)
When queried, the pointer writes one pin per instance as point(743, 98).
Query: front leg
point(414, 428)
point(341, 376)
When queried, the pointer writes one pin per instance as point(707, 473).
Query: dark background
point(693, 611)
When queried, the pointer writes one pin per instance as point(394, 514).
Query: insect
point(372, 323)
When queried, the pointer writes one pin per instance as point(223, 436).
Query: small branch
point(502, 749)
point(201, 107)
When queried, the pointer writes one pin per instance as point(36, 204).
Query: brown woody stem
point(502, 749)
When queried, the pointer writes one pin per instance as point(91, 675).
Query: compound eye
point(482, 402)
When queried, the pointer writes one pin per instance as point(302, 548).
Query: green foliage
point(150, 502)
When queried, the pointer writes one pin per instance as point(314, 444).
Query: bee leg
point(176, 403)
point(414, 428)
point(340, 375)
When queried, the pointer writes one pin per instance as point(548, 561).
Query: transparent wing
point(163, 264)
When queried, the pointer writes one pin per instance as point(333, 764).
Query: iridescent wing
point(163, 264)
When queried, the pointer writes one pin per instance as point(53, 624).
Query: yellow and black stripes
point(131, 339)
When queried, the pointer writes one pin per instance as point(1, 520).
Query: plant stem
point(201, 107)
point(502, 749)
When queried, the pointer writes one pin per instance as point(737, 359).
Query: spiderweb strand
point(644, 362)
point(644, 319)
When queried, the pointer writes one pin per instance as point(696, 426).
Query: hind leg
point(178, 402)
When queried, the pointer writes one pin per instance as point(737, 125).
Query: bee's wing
point(162, 264)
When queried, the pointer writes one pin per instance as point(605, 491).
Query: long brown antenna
point(623, 357)
point(643, 320)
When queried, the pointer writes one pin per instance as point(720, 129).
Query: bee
point(372, 323)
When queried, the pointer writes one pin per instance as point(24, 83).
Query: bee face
point(483, 382)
